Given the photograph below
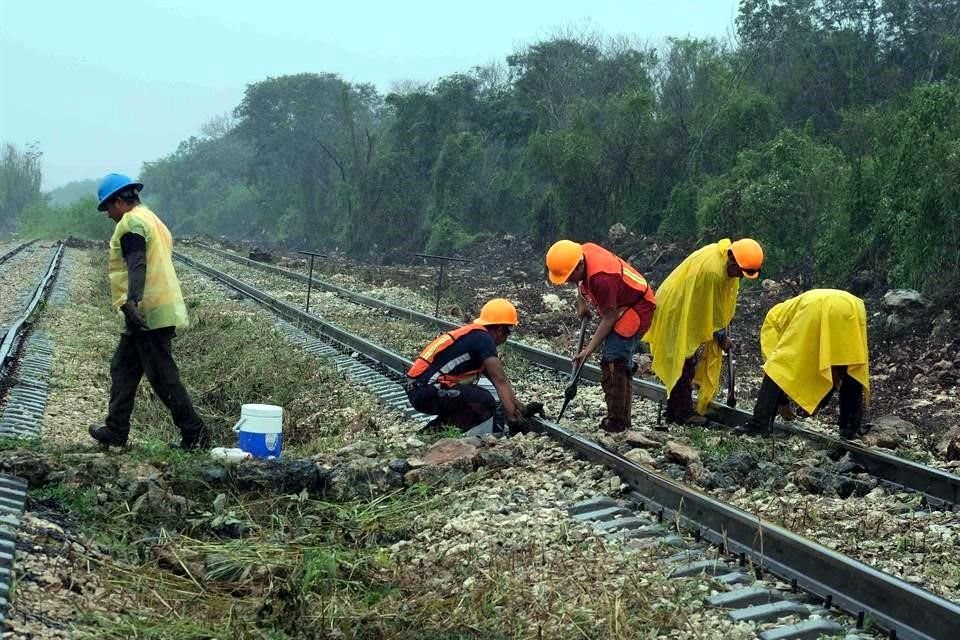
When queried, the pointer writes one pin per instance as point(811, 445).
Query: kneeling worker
point(441, 380)
point(812, 345)
point(625, 302)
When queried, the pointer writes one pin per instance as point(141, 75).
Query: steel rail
point(939, 487)
point(14, 332)
point(9, 254)
point(853, 586)
point(389, 359)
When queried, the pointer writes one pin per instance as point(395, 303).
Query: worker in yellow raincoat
point(813, 345)
point(688, 335)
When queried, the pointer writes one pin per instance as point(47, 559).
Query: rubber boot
point(765, 410)
point(199, 439)
point(626, 392)
point(107, 436)
point(851, 408)
point(617, 389)
point(680, 400)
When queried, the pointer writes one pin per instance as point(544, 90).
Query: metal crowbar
point(571, 391)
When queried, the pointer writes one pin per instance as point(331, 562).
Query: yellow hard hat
point(562, 258)
point(498, 311)
point(749, 256)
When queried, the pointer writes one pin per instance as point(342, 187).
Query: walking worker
point(625, 302)
point(813, 345)
point(695, 305)
point(441, 381)
point(145, 290)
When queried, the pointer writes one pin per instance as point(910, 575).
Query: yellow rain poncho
point(696, 299)
point(803, 337)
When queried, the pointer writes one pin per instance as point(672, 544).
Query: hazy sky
point(104, 86)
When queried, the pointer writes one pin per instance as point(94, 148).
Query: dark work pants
point(770, 396)
point(464, 406)
point(680, 400)
point(148, 352)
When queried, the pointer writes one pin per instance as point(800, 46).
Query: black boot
point(199, 439)
point(680, 400)
point(851, 408)
point(107, 436)
point(765, 410)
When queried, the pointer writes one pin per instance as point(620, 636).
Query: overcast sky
point(104, 86)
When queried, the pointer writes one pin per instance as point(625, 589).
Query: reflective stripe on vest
point(162, 303)
point(443, 376)
point(599, 260)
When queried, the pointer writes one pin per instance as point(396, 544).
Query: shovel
point(571, 391)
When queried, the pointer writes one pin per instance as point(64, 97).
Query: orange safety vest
point(442, 376)
point(599, 260)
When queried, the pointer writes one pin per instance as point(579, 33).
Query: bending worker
point(812, 345)
point(441, 380)
point(625, 302)
point(695, 305)
point(145, 289)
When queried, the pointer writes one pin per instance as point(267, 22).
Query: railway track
point(14, 251)
point(746, 547)
point(939, 488)
point(25, 362)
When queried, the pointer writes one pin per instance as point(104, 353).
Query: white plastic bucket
point(260, 430)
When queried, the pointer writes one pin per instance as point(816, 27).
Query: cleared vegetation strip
point(386, 357)
point(940, 487)
point(854, 586)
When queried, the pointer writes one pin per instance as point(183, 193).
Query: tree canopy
point(828, 131)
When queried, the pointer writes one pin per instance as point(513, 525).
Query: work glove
point(532, 409)
point(135, 320)
point(520, 423)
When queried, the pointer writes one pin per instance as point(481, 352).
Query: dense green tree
point(19, 182)
point(314, 143)
point(921, 170)
point(826, 131)
point(202, 186)
point(782, 193)
point(80, 219)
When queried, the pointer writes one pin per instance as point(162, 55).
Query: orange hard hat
point(562, 258)
point(498, 311)
point(749, 256)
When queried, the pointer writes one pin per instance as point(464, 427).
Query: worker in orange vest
point(625, 302)
point(441, 380)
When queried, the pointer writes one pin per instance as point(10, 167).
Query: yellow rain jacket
point(162, 303)
point(697, 299)
point(803, 337)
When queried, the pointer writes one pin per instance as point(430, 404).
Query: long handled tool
point(571, 391)
point(731, 380)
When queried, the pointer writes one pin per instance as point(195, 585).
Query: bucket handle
point(236, 427)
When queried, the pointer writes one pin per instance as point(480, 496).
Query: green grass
point(78, 501)
point(30, 444)
point(230, 355)
point(715, 445)
point(130, 627)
